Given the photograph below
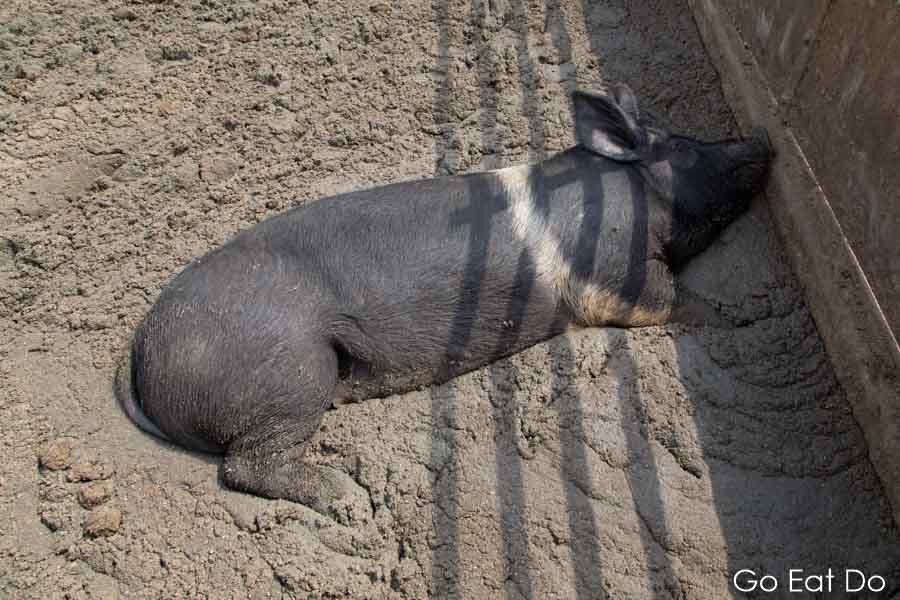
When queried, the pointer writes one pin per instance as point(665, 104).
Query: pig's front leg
point(647, 299)
point(692, 309)
point(665, 300)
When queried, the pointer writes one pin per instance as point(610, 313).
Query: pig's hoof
point(328, 491)
point(692, 309)
point(344, 500)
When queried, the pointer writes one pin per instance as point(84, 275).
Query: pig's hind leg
point(268, 458)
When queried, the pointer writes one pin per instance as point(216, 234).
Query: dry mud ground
point(607, 463)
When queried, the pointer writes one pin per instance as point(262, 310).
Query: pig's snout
point(756, 148)
point(748, 161)
point(760, 136)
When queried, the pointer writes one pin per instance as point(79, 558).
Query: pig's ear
point(626, 99)
point(605, 128)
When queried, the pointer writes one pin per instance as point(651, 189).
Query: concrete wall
point(823, 77)
point(834, 67)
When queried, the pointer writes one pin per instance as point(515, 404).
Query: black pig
point(385, 290)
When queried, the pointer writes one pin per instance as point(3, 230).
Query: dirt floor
point(648, 463)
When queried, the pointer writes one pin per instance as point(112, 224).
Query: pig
point(386, 290)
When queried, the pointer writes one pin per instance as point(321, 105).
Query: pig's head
point(703, 186)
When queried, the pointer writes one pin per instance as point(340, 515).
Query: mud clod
point(52, 520)
point(175, 53)
point(89, 470)
point(218, 169)
point(103, 522)
point(95, 493)
point(58, 455)
point(123, 13)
